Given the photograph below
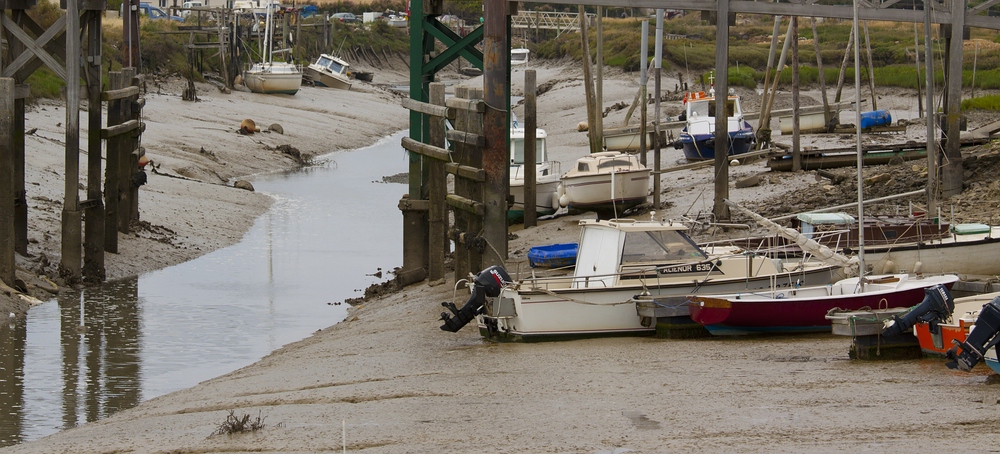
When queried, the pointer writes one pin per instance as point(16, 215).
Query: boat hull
point(325, 79)
point(273, 79)
point(799, 310)
point(700, 147)
point(546, 200)
point(608, 192)
point(974, 256)
point(949, 334)
point(592, 311)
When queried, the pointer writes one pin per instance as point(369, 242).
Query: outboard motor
point(488, 283)
point(982, 338)
point(936, 307)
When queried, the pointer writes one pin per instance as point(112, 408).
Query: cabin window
point(699, 109)
point(662, 246)
point(335, 67)
point(582, 167)
point(517, 151)
point(614, 163)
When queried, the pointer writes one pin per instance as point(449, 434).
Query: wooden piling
point(70, 263)
point(437, 192)
point(462, 188)
point(93, 247)
point(135, 151)
point(112, 192)
point(7, 266)
point(530, 192)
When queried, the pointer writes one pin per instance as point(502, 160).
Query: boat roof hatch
point(826, 218)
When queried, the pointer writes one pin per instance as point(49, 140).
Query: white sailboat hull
point(274, 78)
point(621, 190)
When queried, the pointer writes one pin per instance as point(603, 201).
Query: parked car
point(153, 12)
point(348, 18)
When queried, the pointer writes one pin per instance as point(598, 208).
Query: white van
point(190, 4)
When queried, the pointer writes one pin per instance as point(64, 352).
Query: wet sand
point(387, 380)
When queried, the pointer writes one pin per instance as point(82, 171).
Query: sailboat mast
point(268, 33)
point(932, 151)
point(857, 122)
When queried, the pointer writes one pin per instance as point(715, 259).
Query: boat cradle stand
point(867, 341)
point(673, 320)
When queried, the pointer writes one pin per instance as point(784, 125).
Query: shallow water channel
point(88, 354)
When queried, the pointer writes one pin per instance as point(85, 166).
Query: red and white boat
point(804, 309)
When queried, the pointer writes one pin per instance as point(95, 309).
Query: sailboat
point(269, 76)
point(805, 308)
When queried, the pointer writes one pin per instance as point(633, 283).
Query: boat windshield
point(660, 246)
point(517, 151)
point(707, 108)
point(334, 67)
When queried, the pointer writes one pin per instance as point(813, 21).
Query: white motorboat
point(519, 56)
point(546, 175)
point(619, 260)
point(329, 71)
point(269, 76)
point(607, 182)
point(697, 139)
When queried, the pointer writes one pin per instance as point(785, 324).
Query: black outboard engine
point(936, 307)
point(982, 338)
point(488, 283)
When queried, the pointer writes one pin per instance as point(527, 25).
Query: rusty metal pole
point(496, 126)
point(70, 264)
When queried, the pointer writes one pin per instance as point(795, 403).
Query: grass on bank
point(692, 57)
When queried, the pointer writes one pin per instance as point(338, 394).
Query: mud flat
point(387, 380)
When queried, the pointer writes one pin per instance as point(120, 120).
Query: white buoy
point(918, 267)
point(734, 162)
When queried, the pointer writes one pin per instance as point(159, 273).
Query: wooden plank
point(22, 91)
point(429, 109)
point(468, 105)
point(467, 172)
point(119, 129)
point(467, 138)
point(845, 160)
point(426, 150)
point(122, 93)
point(710, 162)
point(464, 204)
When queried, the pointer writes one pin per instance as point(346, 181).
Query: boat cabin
point(332, 65)
point(517, 146)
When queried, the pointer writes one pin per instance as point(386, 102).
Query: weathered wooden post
point(7, 180)
point(70, 264)
point(462, 188)
point(112, 191)
point(530, 192)
point(438, 190)
point(134, 152)
point(721, 210)
point(93, 248)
